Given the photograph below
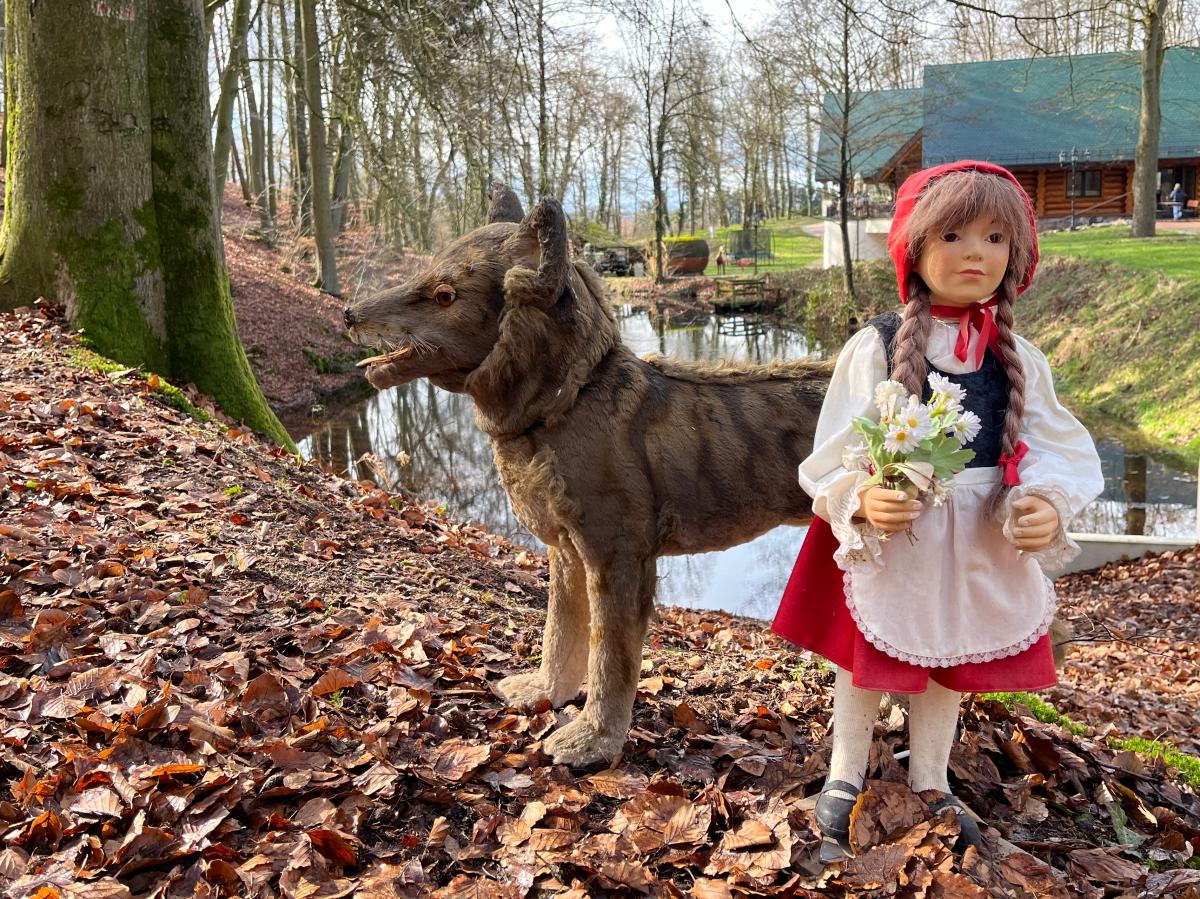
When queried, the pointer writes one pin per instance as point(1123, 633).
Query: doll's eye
point(950, 238)
point(997, 237)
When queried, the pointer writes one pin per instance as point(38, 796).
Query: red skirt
point(813, 615)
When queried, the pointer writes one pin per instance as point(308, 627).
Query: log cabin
point(1031, 116)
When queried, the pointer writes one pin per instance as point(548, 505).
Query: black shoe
point(833, 808)
point(968, 829)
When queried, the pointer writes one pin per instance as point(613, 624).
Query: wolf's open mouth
point(386, 358)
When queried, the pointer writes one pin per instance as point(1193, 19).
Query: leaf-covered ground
point(223, 673)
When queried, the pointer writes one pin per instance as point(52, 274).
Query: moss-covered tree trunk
point(203, 344)
point(131, 248)
point(79, 221)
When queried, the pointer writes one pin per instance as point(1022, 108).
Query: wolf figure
point(610, 459)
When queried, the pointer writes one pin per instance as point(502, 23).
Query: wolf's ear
point(539, 255)
point(503, 204)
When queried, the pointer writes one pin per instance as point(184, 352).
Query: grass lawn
point(1174, 253)
point(793, 248)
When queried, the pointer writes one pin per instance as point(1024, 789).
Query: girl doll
point(964, 606)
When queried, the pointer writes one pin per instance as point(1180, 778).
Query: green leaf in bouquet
point(944, 454)
point(874, 434)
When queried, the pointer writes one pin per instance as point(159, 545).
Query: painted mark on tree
point(113, 10)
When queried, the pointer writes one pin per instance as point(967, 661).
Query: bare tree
point(658, 35)
point(327, 276)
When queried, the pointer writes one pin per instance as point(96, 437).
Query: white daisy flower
point(887, 394)
point(914, 417)
point(966, 428)
point(900, 439)
point(856, 457)
point(954, 393)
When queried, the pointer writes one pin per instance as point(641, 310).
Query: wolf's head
point(443, 323)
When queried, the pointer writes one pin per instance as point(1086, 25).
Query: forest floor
point(227, 673)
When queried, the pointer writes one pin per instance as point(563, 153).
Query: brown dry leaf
point(10, 605)
point(332, 680)
point(876, 867)
point(685, 716)
point(883, 811)
point(201, 730)
point(948, 885)
point(13, 862)
point(1028, 873)
point(265, 696)
point(455, 759)
point(105, 888)
point(751, 832)
point(464, 887)
point(1105, 866)
point(620, 783)
point(651, 685)
point(708, 888)
point(544, 839)
point(688, 823)
point(62, 706)
point(98, 801)
point(334, 846)
point(627, 874)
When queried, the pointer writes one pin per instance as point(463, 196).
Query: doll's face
point(966, 266)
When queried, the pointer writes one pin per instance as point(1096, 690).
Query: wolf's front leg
point(564, 642)
point(622, 599)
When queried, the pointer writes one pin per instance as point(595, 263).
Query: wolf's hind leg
point(622, 599)
point(564, 641)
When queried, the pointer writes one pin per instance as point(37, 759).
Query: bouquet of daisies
point(916, 447)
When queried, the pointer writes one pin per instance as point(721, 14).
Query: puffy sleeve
point(1061, 466)
point(860, 366)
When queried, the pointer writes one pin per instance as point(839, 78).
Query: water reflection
point(424, 441)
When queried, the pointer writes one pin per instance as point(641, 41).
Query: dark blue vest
point(987, 393)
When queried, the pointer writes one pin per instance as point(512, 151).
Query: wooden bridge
point(738, 293)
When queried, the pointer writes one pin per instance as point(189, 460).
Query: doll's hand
point(889, 510)
point(1034, 523)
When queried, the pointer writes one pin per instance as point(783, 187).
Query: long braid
point(908, 356)
point(1011, 361)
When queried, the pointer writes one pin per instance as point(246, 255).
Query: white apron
point(960, 594)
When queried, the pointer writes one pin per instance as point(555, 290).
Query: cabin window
point(1087, 181)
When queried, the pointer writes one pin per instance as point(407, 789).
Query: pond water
point(426, 442)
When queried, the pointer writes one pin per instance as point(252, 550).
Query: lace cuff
point(859, 541)
point(1062, 549)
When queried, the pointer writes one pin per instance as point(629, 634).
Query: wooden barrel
point(685, 256)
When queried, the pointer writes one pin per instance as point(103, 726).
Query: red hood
point(910, 191)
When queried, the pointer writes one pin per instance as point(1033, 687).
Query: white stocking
point(854, 714)
point(932, 718)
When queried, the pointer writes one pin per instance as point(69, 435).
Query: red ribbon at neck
point(979, 315)
point(1010, 462)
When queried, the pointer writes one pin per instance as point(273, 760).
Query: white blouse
point(1061, 466)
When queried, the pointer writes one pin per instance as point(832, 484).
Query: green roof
point(881, 122)
point(1024, 111)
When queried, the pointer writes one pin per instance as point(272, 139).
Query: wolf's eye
point(444, 294)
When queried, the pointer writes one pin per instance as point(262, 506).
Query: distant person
point(1178, 200)
point(721, 261)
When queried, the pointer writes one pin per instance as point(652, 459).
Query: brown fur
point(609, 459)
